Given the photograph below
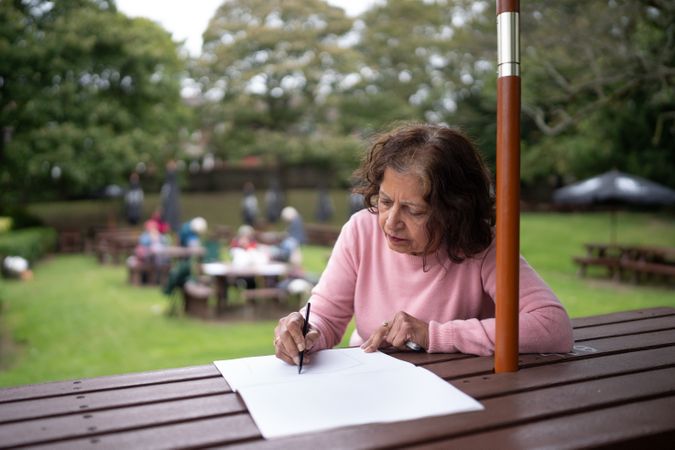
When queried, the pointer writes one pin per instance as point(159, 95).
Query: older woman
point(419, 264)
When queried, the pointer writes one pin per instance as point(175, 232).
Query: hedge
point(29, 243)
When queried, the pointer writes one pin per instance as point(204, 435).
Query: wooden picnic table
point(619, 259)
point(154, 269)
point(267, 276)
point(616, 389)
point(649, 253)
point(114, 245)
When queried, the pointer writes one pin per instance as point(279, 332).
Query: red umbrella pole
point(508, 185)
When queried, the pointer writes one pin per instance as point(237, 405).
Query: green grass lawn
point(80, 319)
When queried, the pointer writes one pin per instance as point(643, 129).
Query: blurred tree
point(414, 67)
point(428, 61)
point(266, 69)
point(598, 88)
point(281, 79)
point(85, 94)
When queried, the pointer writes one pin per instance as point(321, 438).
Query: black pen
point(305, 327)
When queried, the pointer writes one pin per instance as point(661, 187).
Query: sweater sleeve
point(333, 297)
point(544, 326)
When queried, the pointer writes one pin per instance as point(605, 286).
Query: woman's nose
point(393, 218)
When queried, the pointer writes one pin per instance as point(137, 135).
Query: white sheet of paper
point(341, 387)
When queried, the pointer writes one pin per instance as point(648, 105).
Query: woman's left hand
point(396, 332)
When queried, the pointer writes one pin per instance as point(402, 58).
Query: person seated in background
point(191, 232)
point(162, 226)
point(245, 238)
point(244, 249)
point(245, 252)
point(289, 248)
point(150, 242)
point(149, 250)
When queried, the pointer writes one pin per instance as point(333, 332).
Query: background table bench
point(636, 262)
point(617, 388)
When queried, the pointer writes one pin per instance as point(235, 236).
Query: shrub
point(5, 224)
point(29, 243)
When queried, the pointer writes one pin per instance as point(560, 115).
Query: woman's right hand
point(289, 341)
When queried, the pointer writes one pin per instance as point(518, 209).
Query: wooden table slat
point(565, 372)
point(423, 358)
point(623, 316)
point(510, 411)
point(622, 328)
point(647, 424)
point(143, 416)
point(84, 385)
point(208, 432)
point(593, 348)
point(81, 403)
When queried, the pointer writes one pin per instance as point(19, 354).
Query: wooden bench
point(143, 272)
point(321, 234)
point(648, 269)
point(70, 241)
point(196, 299)
point(270, 293)
point(113, 246)
point(613, 265)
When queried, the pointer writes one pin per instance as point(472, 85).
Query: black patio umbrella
point(615, 188)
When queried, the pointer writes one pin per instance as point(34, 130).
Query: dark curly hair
point(456, 181)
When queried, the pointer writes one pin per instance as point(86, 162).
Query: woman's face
point(402, 212)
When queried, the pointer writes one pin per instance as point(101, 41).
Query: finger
point(311, 338)
point(409, 329)
point(289, 340)
point(390, 331)
point(367, 345)
point(399, 337)
point(278, 346)
point(376, 339)
point(279, 353)
point(401, 330)
point(290, 348)
point(294, 327)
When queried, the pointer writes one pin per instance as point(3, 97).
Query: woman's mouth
point(395, 240)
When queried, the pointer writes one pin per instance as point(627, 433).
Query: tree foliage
point(85, 94)
point(598, 88)
point(271, 63)
point(89, 91)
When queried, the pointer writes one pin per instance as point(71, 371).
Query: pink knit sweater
point(365, 279)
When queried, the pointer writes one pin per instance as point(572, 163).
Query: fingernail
point(301, 347)
point(296, 360)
